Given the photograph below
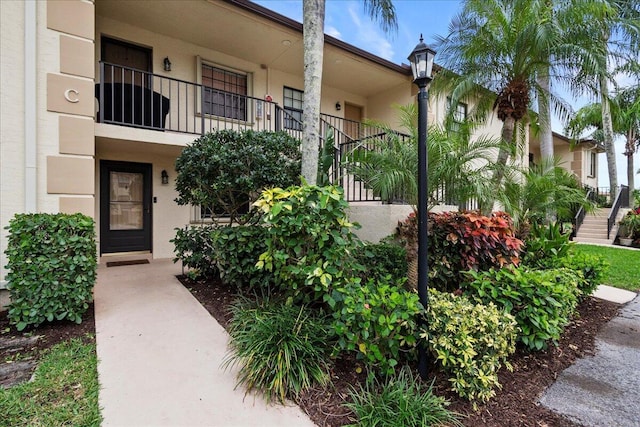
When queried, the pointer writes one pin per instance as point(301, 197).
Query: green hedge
point(52, 267)
point(542, 301)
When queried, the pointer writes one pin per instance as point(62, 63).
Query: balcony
point(137, 99)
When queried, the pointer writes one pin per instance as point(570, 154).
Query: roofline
point(297, 26)
point(595, 145)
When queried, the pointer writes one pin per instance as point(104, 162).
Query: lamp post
point(421, 60)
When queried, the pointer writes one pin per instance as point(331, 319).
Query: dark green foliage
point(542, 301)
point(381, 260)
point(52, 267)
point(545, 245)
point(225, 170)
point(194, 247)
point(237, 250)
point(281, 350)
point(400, 401)
point(470, 341)
point(377, 321)
point(593, 268)
point(309, 240)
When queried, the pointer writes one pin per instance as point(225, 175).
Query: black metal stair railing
point(621, 200)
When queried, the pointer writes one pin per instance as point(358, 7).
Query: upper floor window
point(593, 164)
point(225, 93)
point(458, 114)
point(293, 104)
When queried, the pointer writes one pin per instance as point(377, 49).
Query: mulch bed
point(25, 348)
point(514, 405)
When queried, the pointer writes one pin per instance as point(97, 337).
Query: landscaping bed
point(514, 405)
point(29, 345)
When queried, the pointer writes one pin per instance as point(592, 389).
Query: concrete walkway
point(159, 355)
point(604, 389)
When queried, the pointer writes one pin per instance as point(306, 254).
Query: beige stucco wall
point(12, 106)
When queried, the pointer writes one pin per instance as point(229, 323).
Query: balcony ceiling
point(225, 28)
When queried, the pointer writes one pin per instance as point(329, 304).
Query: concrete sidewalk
point(159, 356)
point(604, 389)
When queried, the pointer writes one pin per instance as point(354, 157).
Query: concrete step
point(592, 240)
point(590, 235)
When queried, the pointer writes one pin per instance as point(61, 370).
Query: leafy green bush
point(309, 240)
point(237, 250)
point(194, 247)
point(376, 320)
point(382, 259)
point(470, 341)
point(280, 349)
point(542, 301)
point(226, 169)
point(400, 401)
point(545, 246)
point(52, 267)
point(460, 241)
point(593, 267)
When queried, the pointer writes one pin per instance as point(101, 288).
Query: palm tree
point(625, 112)
point(495, 49)
point(460, 166)
point(313, 39)
point(543, 188)
point(611, 28)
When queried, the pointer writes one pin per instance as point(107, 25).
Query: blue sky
point(346, 20)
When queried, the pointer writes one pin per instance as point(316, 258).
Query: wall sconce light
point(167, 64)
point(165, 177)
point(338, 106)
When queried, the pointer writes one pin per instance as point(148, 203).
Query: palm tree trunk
point(544, 116)
point(508, 130)
point(630, 150)
point(313, 39)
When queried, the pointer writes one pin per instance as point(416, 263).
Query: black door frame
point(113, 241)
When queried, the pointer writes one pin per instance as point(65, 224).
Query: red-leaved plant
point(461, 241)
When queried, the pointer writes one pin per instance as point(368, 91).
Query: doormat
point(132, 262)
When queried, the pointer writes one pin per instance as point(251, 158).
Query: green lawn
point(64, 391)
point(624, 271)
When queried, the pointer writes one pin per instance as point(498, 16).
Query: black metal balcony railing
point(135, 98)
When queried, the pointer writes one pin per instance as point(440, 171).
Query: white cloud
point(369, 36)
point(333, 32)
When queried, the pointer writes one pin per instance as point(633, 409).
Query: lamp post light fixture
point(421, 60)
point(167, 64)
point(164, 176)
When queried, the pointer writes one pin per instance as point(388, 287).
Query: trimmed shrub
point(381, 260)
point(594, 269)
point(377, 321)
point(194, 247)
point(52, 267)
point(237, 250)
point(400, 401)
point(281, 350)
point(542, 301)
point(470, 341)
point(225, 170)
point(460, 241)
point(309, 242)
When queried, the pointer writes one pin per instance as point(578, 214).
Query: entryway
point(125, 207)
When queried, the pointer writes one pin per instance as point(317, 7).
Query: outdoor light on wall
point(165, 177)
point(421, 60)
point(167, 64)
point(338, 106)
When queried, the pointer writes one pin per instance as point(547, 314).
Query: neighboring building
point(98, 98)
point(581, 159)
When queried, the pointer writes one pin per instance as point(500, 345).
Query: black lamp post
point(421, 60)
